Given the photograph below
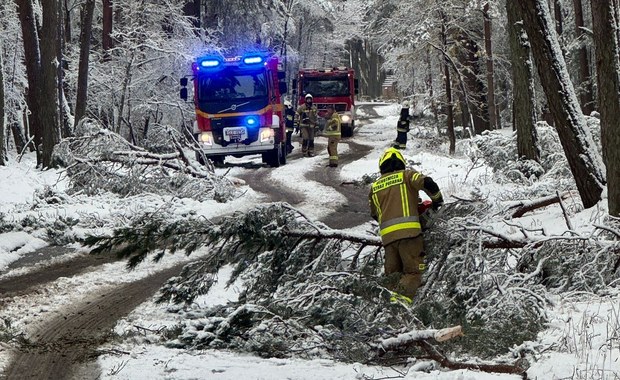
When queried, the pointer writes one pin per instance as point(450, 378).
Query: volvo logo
point(233, 107)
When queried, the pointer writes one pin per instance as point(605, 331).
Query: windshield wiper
point(233, 107)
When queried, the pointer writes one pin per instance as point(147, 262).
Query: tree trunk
point(107, 26)
point(585, 94)
point(490, 71)
point(32, 58)
point(67, 20)
point(192, 9)
point(429, 85)
point(608, 80)
point(448, 84)
point(3, 156)
point(557, 11)
point(572, 130)
point(523, 108)
point(473, 86)
point(82, 85)
point(49, 69)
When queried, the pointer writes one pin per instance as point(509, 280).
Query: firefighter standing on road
point(332, 132)
point(394, 204)
point(306, 120)
point(402, 128)
point(289, 114)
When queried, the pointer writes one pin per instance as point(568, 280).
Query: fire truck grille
point(339, 107)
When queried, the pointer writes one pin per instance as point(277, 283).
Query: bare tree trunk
point(32, 58)
point(472, 85)
point(490, 71)
point(49, 69)
point(67, 20)
point(586, 93)
point(82, 85)
point(107, 25)
point(429, 84)
point(578, 145)
point(448, 84)
point(192, 9)
point(124, 93)
point(608, 80)
point(557, 11)
point(3, 150)
point(523, 108)
point(284, 47)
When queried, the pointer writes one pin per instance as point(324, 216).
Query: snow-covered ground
point(581, 342)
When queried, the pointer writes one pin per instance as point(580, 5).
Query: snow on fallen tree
point(98, 159)
point(310, 291)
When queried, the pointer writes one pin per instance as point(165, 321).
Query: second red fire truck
point(336, 86)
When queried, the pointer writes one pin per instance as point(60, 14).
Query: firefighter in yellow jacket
point(394, 204)
point(332, 132)
point(306, 119)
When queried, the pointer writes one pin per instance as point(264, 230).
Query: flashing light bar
point(253, 60)
point(210, 63)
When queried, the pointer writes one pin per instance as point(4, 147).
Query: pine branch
point(524, 207)
point(365, 240)
point(491, 368)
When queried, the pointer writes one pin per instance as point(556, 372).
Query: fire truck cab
point(336, 86)
point(238, 103)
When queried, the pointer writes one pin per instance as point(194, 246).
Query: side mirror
point(281, 75)
point(294, 85)
point(356, 84)
point(183, 93)
point(283, 88)
point(183, 82)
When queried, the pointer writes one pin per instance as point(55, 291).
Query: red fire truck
point(238, 103)
point(336, 86)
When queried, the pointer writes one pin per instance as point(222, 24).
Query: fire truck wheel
point(276, 156)
point(347, 130)
point(200, 158)
point(282, 156)
point(217, 160)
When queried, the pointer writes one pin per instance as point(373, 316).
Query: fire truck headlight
point(266, 135)
point(345, 118)
point(206, 138)
point(251, 121)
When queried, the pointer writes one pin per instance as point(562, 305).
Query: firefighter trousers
point(405, 256)
point(332, 150)
point(307, 139)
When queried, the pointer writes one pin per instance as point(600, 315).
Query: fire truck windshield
point(320, 87)
point(231, 85)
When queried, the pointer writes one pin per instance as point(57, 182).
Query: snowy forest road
point(349, 214)
point(64, 347)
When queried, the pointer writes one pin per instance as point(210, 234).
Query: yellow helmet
point(391, 153)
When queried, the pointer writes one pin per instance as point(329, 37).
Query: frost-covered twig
point(527, 206)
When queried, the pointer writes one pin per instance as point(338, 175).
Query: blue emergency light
point(251, 121)
point(210, 63)
point(253, 60)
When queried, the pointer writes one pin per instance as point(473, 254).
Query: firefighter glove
point(437, 204)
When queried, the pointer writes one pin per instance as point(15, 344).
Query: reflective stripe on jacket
point(332, 127)
point(306, 117)
point(394, 204)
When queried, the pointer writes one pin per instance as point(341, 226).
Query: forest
point(93, 87)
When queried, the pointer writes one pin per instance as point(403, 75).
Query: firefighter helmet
point(308, 97)
point(406, 104)
point(287, 103)
point(391, 153)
